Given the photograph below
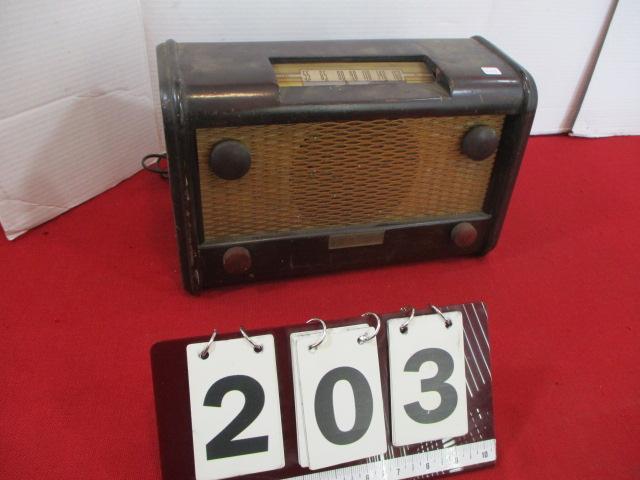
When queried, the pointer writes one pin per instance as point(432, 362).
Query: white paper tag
point(235, 408)
point(427, 379)
point(341, 397)
point(491, 71)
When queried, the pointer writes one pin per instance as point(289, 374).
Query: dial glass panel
point(350, 73)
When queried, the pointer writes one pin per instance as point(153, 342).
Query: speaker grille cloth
point(324, 175)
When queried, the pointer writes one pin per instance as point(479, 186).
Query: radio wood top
point(237, 82)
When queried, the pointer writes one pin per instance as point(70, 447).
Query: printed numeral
point(448, 394)
point(325, 409)
point(224, 444)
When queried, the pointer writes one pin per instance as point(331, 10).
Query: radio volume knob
point(464, 234)
point(480, 142)
point(236, 260)
point(230, 159)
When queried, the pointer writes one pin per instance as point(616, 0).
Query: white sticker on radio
point(491, 71)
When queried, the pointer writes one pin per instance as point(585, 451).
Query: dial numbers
point(350, 73)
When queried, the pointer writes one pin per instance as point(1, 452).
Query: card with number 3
point(427, 378)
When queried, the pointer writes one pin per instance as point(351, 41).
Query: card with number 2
point(235, 407)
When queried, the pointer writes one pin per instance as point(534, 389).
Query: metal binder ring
point(404, 328)
point(313, 346)
point(256, 346)
point(204, 354)
point(366, 337)
point(447, 322)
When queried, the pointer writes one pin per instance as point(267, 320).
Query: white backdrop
point(553, 39)
point(80, 85)
point(612, 103)
point(76, 112)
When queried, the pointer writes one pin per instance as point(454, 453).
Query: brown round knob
point(236, 260)
point(480, 142)
point(230, 159)
point(464, 234)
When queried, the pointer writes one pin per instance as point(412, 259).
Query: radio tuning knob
point(236, 260)
point(464, 234)
point(230, 159)
point(480, 142)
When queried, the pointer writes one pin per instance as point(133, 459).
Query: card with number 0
point(303, 457)
point(341, 397)
point(235, 408)
point(427, 378)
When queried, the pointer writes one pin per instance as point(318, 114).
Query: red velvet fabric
point(83, 298)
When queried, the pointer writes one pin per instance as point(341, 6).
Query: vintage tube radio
point(292, 158)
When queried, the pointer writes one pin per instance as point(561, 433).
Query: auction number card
point(340, 411)
point(338, 403)
point(427, 378)
point(235, 408)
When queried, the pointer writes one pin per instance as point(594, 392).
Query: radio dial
point(230, 159)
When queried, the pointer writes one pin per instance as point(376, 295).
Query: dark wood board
point(171, 389)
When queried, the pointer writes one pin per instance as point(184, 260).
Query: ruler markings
point(400, 468)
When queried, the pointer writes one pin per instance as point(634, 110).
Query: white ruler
point(449, 459)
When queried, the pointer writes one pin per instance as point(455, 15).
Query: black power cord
point(155, 166)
